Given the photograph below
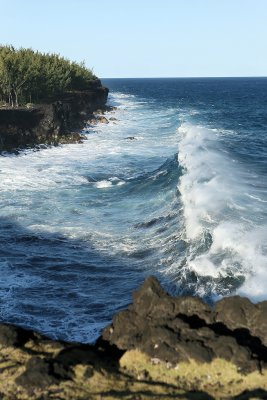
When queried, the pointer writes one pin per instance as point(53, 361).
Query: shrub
point(28, 76)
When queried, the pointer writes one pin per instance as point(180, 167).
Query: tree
point(30, 76)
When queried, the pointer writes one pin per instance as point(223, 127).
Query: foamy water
point(219, 200)
point(174, 185)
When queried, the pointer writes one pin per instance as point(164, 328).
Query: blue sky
point(145, 38)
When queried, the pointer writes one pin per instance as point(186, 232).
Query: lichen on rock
point(161, 347)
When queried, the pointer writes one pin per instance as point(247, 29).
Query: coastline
point(160, 347)
point(52, 122)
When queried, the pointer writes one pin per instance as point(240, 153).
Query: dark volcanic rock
point(103, 120)
point(38, 374)
point(237, 312)
point(14, 336)
point(183, 328)
point(51, 122)
point(168, 330)
point(8, 335)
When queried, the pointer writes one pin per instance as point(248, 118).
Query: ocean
point(175, 185)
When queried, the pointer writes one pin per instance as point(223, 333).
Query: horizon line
point(186, 77)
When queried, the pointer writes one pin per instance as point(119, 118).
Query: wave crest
point(214, 192)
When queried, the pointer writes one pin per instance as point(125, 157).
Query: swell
point(224, 228)
point(86, 223)
point(69, 287)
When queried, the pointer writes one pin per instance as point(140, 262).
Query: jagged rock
point(237, 312)
point(52, 122)
point(92, 121)
point(259, 328)
point(14, 336)
point(160, 347)
point(193, 306)
point(103, 120)
point(37, 374)
point(184, 328)
point(8, 335)
point(98, 112)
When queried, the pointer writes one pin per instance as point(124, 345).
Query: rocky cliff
point(52, 122)
point(159, 348)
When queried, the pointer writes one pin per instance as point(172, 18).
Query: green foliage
point(28, 76)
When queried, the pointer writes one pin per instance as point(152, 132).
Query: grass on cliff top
point(136, 377)
point(219, 379)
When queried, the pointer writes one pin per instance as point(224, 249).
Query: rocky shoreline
point(159, 347)
point(53, 121)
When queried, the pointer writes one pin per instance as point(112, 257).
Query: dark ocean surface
point(175, 185)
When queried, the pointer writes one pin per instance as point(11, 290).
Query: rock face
point(184, 328)
point(160, 347)
point(54, 122)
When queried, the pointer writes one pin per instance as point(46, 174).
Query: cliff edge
point(52, 122)
point(161, 347)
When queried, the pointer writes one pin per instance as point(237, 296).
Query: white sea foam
point(103, 184)
point(217, 199)
point(256, 198)
point(73, 193)
point(54, 189)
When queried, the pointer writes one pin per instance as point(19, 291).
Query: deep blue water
point(175, 185)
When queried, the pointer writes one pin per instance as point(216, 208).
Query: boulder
point(37, 374)
point(103, 120)
point(184, 328)
point(240, 313)
point(159, 347)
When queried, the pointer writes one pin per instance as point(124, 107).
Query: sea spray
point(82, 225)
point(216, 205)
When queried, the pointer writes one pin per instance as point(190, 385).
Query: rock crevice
point(160, 347)
point(183, 328)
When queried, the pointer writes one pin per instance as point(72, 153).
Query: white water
point(219, 198)
point(70, 252)
point(107, 213)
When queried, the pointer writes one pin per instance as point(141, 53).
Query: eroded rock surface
point(159, 348)
point(183, 328)
point(52, 122)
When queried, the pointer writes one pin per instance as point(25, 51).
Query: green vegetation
point(28, 76)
